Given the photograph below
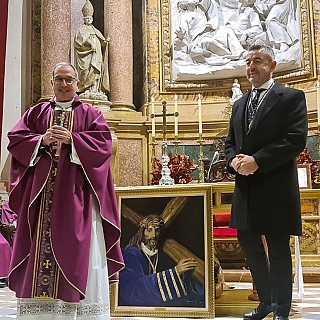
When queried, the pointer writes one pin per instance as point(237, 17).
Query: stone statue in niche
point(236, 92)
point(91, 58)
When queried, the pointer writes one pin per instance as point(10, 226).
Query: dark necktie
point(253, 106)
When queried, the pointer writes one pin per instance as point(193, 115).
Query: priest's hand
point(56, 134)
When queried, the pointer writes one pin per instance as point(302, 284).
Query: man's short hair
point(262, 47)
point(65, 64)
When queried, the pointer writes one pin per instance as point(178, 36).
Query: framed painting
point(304, 176)
point(167, 246)
point(204, 42)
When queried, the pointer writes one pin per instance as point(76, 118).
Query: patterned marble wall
point(313, 147)
point(36, 51)
point(131, 162)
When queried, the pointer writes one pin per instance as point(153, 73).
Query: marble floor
point(305, 308)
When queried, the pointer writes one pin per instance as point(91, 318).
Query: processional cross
point(166, 178)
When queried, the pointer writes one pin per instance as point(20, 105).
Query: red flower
point(181, 168)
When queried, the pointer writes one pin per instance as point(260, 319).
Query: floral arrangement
point(181, 168)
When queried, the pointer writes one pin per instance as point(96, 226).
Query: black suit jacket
point(268, 201)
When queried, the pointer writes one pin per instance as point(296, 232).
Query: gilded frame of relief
point(152, 288)
point(192, 64)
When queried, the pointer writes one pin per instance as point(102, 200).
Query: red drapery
point(3, 41)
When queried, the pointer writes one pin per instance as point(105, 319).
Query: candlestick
point(153, 119)
point(153, 144)
point(318, 101)
point(200, 113)
point(176, 144)
point(318, 116)
point(176, 115)
point(201, 157)
point(166, 179)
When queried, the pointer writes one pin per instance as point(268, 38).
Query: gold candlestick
point(166, 178)
point(201, 157)
point(153, 151)
point(176, 143)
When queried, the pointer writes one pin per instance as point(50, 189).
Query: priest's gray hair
point(65, 64)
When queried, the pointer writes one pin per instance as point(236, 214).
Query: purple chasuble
point(5, 257)
point(7, 216)
point(69, 197)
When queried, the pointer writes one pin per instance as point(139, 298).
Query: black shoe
point(278, 317)
point(3, 283)
point(260, 312)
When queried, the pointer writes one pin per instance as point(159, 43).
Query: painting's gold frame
point(306, 72)
point(195, 194)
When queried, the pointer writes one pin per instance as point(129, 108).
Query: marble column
point(118, 27)
point(55, 39)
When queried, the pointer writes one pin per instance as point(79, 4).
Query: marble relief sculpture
point(210, 38)
point(91, 58)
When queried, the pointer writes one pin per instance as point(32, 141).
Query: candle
point(153, 119)
point(318, 102)
point(200, 113)
point(175, 117)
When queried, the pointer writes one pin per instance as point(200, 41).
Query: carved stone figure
point(200, 35)
point(282, 25)
point(246, 24)
point(91, 61)
point(236, 92)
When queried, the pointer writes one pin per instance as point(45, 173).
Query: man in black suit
point(267, 131)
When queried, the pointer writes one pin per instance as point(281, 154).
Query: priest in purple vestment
point(67, 240)
point(8, 220)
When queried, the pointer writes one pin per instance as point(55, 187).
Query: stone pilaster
point(118, 28)
point(55, 39)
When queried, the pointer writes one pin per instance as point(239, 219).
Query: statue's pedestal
point(120, 106)
point(100, 104)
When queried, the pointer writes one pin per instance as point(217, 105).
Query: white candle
point(153, 120)
point(175, 118)
point(318, 102)
point(200, 113)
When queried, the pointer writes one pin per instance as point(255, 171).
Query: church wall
point(76, 20)
point(220, 96)
point(14, 77)
point(148, 41)
point(35, 43)
point(215, 96)
point(3, 41)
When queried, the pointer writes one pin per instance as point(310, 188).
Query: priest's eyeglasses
point(68, 81)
